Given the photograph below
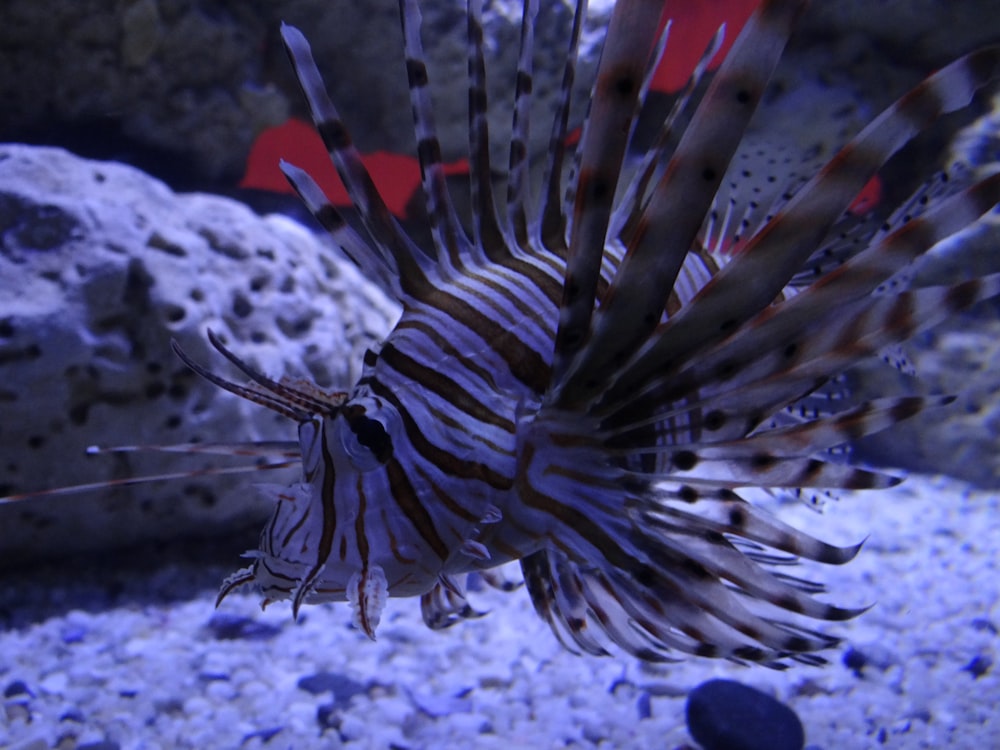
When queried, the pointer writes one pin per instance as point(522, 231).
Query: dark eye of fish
point(371, 434)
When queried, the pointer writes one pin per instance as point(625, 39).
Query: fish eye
point(365, 440)
point(371, 434)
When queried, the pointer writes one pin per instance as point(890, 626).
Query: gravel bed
point(128, 651)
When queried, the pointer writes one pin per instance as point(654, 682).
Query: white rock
point(100, 266)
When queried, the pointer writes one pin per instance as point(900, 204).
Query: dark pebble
point(213, 677)
point(72, 714)
point(727, 715)
point(982, 623)
point(170, 706)
point(17, 688)
point(227, 627)
point(265, 735)
point(875, 656)
point(328, 716)
point(644, 705)
point(619, 683)
point(342, 687)
point(855, 661)
point(73, 633)
point(979, 666)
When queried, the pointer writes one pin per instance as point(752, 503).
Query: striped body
point(586, 381)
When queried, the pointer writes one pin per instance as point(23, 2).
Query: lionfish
point(586, 383)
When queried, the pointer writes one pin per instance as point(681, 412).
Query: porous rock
point(911, 32)
point(198, 81)
point(100, 266)
point(183, 87)
point(184, 78)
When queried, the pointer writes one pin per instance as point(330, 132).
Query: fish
point(593, 377)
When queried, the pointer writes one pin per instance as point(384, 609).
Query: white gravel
point(127, 657)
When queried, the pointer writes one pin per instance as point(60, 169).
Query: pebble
point(34, 743)
point(983, 623)
point(73, 633)
point(17, 688)
point(55, 683)
point(341, 686)
point(728, 715)
point(264, 735)
point(855, 661)
point(229, 627)
point(644, 705)
point(874, 655)
point(979, 666)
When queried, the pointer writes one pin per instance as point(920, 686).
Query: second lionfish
point(587, 383)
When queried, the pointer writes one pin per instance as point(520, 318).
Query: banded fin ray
point(452, 246)
point(637, 195)
point(388, 240)
point(727, 395)
point(632, 306)
point(755, 277)
point(608, 128)
point(518, 188)
point(551, 223)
